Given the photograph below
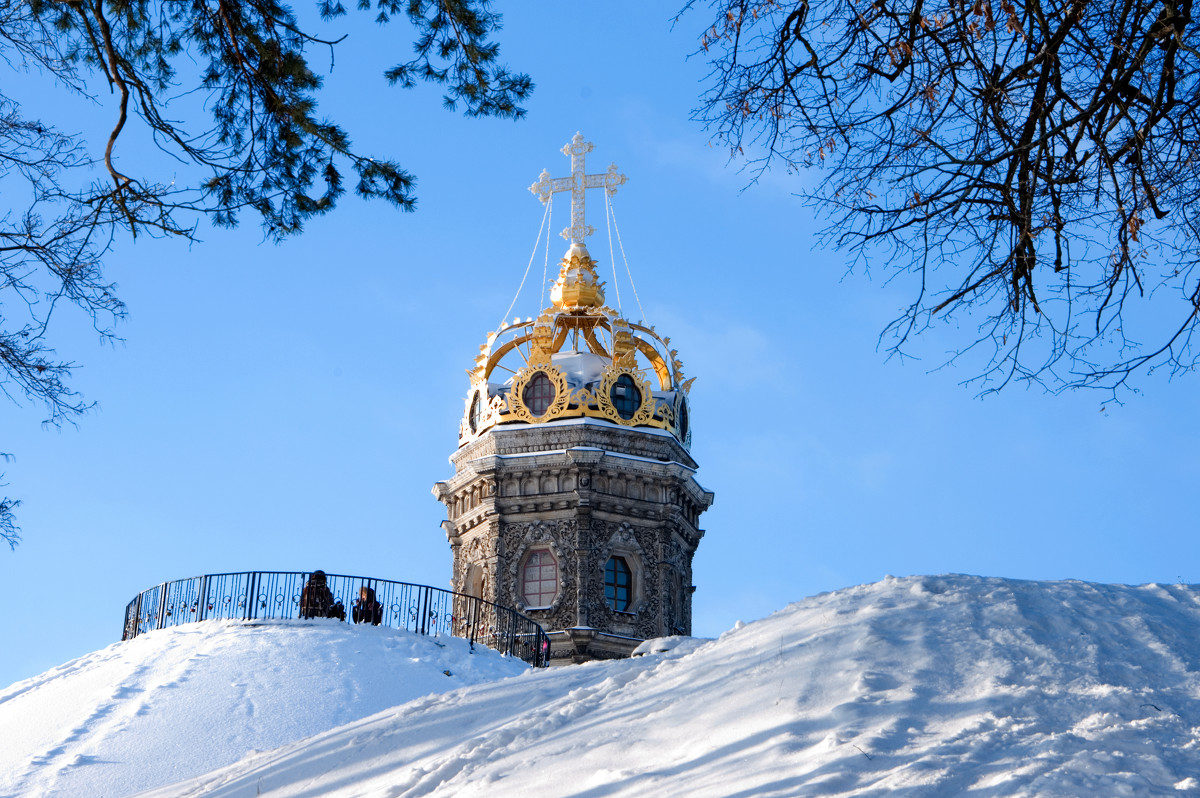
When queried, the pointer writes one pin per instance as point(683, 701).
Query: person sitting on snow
point(316, 599)
point(366, 609)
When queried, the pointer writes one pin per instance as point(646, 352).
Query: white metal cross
point(576, 184)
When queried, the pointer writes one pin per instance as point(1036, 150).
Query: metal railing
point(254, 595)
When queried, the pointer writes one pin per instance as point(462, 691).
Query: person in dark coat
point(366, 609)
point(316, 599)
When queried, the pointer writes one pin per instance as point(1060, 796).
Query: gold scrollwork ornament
point(644, 412)
point(482, 412)
point(516, 395)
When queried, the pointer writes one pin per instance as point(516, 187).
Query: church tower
point(574, 496)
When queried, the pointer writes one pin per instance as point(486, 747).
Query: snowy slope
point(950, 686)
point(929, 687)
point(179, 702)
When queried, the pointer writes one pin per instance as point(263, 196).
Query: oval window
point(476, 411)
point(538, 394)
point(625, 396)
point(683, 419)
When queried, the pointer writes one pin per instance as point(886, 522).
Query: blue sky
point(289, 407)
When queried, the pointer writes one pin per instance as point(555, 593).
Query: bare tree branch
point(1036, 165)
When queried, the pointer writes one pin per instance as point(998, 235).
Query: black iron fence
point(276, 594)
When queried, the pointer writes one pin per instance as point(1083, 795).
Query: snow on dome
point(583, 369)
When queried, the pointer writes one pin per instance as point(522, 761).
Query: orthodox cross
point(576, 184)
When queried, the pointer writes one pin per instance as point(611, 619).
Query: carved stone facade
point(542, 515)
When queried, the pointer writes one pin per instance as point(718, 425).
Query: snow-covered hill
point(947, 686)
point(179, 702)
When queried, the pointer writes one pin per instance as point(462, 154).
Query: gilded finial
point(577, 285)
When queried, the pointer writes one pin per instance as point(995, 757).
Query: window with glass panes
point(626, 398)
point(538, 394)
point(539, 579)
point(617, 583)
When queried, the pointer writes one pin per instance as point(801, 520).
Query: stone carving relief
point(623, 540)
point(678, 562)
point(631, 543)
point(471, 567)
point(521, 539)
point(591, 493)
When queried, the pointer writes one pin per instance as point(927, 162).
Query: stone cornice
point(520, 439)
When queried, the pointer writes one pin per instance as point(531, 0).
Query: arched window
point(617, 583)
point(473, 584)
point(626, 397)
point(539, 579)
point(538, 394)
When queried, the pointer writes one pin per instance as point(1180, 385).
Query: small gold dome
point(577, 285)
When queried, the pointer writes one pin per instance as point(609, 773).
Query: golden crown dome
point(579, 358)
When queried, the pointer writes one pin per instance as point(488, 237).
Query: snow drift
point(941, 687)
point(179, 702)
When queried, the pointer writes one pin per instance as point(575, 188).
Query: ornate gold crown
point(578, 359)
